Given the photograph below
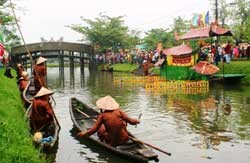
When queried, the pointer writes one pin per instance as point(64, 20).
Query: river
point(211, 126)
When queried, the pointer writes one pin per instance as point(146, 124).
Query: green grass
point(237, 67)
point(125, 67)
point(155, 70)
point(15, 141)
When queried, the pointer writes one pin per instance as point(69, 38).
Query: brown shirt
point(41, 113)
point(41, 70)
point(115, 125)
point(22, 85)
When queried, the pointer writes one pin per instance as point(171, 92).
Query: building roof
point(178, 50)
point(205, 32)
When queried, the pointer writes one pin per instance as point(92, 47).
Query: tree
point(133, 39)
point(7, 26)
point(241, 14)
point(181, 25)
point(154, 36)
point(104, 32)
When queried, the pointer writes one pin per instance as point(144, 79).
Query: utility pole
point(216, 11)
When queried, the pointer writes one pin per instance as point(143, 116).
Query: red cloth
point(1, 49)
point(41, 70)
point(115, 123)
point(41, 113)
point(228, 49)
point(22, 85)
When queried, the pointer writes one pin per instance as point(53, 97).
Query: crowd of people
point(207, 53)
point(223, 53)
point(133, 57)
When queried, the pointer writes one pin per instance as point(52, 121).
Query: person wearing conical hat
point(40, 73)
point(41, 114)
point(111, 123)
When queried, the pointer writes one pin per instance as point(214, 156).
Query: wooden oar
point(152, 146)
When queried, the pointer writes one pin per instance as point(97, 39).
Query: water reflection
point(190, 126)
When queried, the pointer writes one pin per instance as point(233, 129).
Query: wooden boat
point(29, 91)
point(51, 132)
point(82, 117)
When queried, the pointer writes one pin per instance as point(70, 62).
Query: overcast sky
point(48, 18)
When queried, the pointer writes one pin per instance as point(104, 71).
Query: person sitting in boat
point(111, 123)
point(20, 69)
point(40, 73)
point(41, 114)
point(23, 81)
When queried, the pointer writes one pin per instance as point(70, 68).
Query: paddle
point(152, 146)
point(139, 117)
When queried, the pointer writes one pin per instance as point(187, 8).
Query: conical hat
point(43, 91)
point(40, 60)
point(107, 103)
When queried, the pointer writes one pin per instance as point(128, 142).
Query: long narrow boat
point(50, 134)
point(82, 117)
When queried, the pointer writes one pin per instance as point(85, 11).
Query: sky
point(49, 18)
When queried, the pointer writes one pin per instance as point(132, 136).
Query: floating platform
point(227, 78)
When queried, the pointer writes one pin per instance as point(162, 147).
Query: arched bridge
point(60, 50)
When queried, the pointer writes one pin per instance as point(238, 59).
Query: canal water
point(204, 126)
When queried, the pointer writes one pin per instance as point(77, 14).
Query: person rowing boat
point(111, 124)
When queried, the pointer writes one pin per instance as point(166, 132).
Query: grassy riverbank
point(15, 142)
point(237, 67)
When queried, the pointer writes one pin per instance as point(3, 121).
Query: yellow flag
point(203, 18)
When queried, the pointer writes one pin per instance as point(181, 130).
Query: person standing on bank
point(40, 73)
point(228, 52)
point(111, 123)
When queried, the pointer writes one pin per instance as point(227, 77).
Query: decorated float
point(182, 62)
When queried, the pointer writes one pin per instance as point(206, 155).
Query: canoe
point(50, 134)
point(29, 91)
point(82, 117)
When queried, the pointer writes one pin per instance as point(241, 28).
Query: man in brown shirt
point(111, 124)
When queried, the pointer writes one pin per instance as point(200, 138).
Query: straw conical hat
point(107, 103)
point(40, 60)
point(25, 74)
point(43, 91)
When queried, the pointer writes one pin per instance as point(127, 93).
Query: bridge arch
point(53, 50)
